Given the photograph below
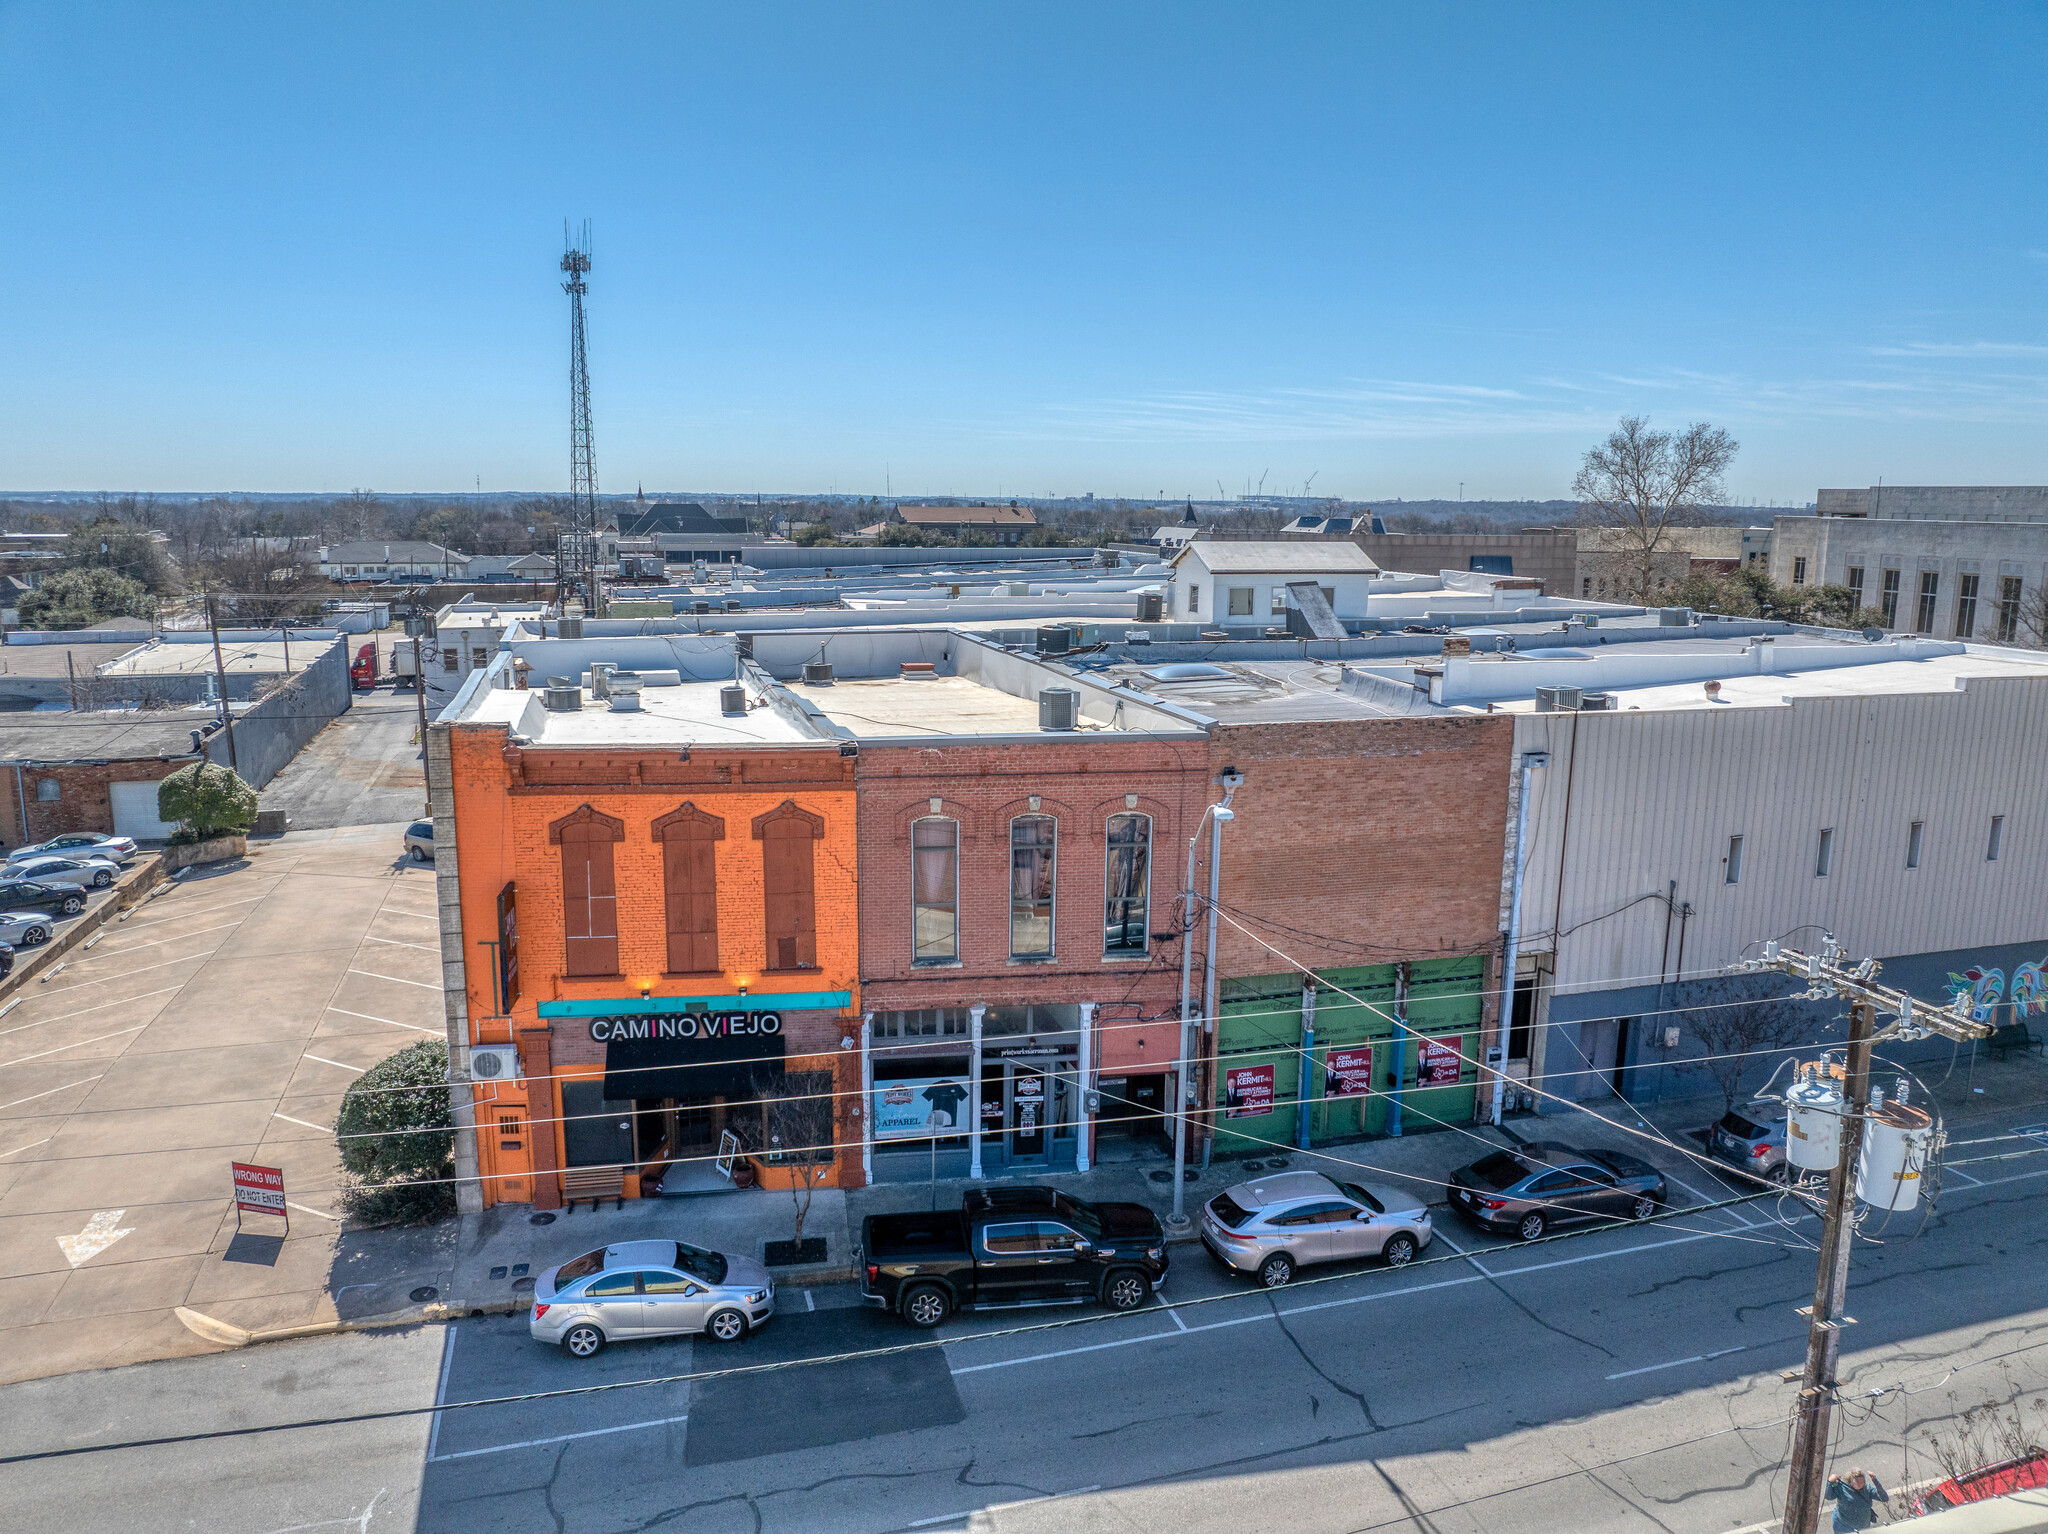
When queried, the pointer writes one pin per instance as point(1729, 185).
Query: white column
point(1086, 1074)
point(867, 1098)
point(974, 1094)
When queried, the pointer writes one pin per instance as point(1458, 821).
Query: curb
point(125, 895)
point(227, 1334)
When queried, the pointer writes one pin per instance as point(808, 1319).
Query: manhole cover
point(540, 1219)
point(1161, 1176)
point(497, 1273)
point(425, 1292)
point(1278, 1162)
point(1257, 1166)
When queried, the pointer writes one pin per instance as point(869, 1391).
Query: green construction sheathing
point(1259, 1024)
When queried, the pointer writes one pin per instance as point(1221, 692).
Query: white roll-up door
point(135, 812)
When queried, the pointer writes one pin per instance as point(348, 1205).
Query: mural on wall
point(1985, 985)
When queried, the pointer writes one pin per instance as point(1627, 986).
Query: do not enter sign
point(258, 1187)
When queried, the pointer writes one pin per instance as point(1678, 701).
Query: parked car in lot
point(18, 894)
point(1277, 1224)
point(25, 929)
point(6, 960)
point(82, 873)
point(79, 844)
point(1753, 1139)
point(648, 1289)
point(419, 841)
point(1011, 1246)
point(1538, 1186)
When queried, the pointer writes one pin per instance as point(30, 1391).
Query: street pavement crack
point(1364, 1407)
point(1708, 1276)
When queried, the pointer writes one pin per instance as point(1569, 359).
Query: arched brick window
point(789, 884)
point(590, 896)
point(689, 884)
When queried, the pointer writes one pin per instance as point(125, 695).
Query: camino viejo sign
point(687, 1025)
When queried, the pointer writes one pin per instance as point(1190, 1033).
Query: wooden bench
point(596, 1183)
point(2013, 1036)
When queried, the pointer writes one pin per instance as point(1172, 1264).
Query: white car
point(79, 844)
point(81, 873)
point(25, 929)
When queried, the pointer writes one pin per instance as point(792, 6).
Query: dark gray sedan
point(1538, 1187)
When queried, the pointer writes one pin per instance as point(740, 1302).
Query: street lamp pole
point(1178, 1220)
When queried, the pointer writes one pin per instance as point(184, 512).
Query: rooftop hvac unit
point(1597, 703)
point(1086, 634)
point(1138, 636)
point(732, 699)
point(1151, 607)
point(570, 628)
point(700, 606)
point(1056, 640)
point(561, 700)
point(1016, 588)
point(1058, 708)
point(625, 692)
point(601, 678)
point(493, 1062)
point(732, 604)
point(818, 673)
point(1674, 617)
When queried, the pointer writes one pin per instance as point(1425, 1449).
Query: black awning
point(715, 1067)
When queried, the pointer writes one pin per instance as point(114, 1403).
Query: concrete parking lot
point(219, 1021)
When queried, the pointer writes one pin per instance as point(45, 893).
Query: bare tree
point(1641, 482)
point(797, 1131)
point(1739, 1026)
point(1997, 1429)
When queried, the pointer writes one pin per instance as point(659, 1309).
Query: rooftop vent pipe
point(818, 673)
point(625, 692)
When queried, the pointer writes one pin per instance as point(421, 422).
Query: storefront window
point(935, 891)
point(1128, 881)
point(1032, 839)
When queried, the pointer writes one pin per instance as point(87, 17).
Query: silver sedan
point(1275, 1225)
point(80, 873)
point(25, 929)
point(648, 1289)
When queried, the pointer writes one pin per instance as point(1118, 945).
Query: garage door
point(135, 812)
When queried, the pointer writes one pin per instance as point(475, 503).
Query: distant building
point(393, 559)
point(1003, 524)
point(1950, 578)
point(509, 567)
point(1937, 503)
point(1247, 584)
point(646, 519)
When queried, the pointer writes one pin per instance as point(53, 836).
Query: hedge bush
point(398, 1146)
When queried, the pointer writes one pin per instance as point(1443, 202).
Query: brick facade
point(83, 802)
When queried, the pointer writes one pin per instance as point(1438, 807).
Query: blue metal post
point(1308, 1064)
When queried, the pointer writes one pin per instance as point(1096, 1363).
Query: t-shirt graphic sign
point(259, 1187)
point(1348, 1072)
point(1248, 1091)
point(924, 1105)
point(1437, 1063)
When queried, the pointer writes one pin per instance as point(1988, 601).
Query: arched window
point(590, 900)
point(1127, 886)
point(1033, 843)
point(689, 882)
point(788, 884)
point(934, 890)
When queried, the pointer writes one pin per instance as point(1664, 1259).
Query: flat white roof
point(930, 705)
point(1280, 558)
point(685, 715)
point(180, 659)
point(1773, 689)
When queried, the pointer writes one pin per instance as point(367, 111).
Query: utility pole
point(419, 687)
point(220, 667)
point(1184, 1079)
point(1829, 979)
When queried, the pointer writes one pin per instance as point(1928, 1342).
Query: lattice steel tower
point(578, 549)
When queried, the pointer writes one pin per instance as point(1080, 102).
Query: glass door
point(1030, 1102)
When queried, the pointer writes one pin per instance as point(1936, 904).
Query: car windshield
point(698, 1263)
point(1358, 1195)
point(580, 1267)
point(1230, 1211)
point(1500, 1171)
point(1744, 1128)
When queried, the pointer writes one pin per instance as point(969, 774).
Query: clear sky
point(1021, 248)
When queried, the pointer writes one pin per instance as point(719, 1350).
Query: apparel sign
point(1348, 1072)
point(921, 1106)
point(1437, 1063)
point(686, 1025)
point(1248, 1092)
point(258, 1187)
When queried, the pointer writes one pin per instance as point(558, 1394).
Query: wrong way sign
point(258, 1187)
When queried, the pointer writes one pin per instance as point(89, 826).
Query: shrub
point(206, 799)
point(76, 599)
point(398, 1146)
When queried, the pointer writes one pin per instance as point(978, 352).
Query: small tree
point(126, 549)
point(1739, 1026)
point(1640, 483)
point(797, 1124)
point(397, 1134)
point(206, 799)
point(76, 599)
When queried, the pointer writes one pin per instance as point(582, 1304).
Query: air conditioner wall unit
point(493, 1062)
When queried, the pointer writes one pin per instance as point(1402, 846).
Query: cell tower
point(577, 551)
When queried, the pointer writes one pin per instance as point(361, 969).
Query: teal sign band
point(659, 1006)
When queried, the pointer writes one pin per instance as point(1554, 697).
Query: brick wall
point(82, 803)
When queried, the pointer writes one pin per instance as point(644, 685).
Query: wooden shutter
point(689, 869)
point(590, 899)
point(788, 886)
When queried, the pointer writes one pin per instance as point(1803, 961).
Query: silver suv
point(1752, 1138)
point(1278, 1224)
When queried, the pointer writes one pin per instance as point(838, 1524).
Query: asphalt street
point(1621, 1379)
point(362, 769)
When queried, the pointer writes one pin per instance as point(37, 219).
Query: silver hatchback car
point(1275, 1225)
point(648, 1289)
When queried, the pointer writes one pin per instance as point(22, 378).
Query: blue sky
point(1044, 248)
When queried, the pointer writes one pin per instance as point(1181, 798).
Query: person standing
point(1856, 1500)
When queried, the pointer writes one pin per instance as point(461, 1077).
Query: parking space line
point(46, 1139)
point(302, 1123)
point(415, 1027)
point(65, 1017)
point(83, 1081)
point(322, 1059)
point(1733, 1214)
point(126, 973)
point(188, 915)
point(74, 1044)
point(158, 942)
point(441, 1390)
point(1975, 1182)
point(395, 943)
point(1474, 1261)
point(1676, 1363)
point(1174, 1317)
point(427, 985)
point(534, 1443)
point(415, 915)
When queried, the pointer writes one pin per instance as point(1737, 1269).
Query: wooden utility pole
point(227, 712)
point(419, 687)
point(1803, 1499)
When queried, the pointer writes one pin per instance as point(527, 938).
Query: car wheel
point(583, 1341)
point(1124, 1291)
point(35, 936)
point(726, 1326)
point(102, 879)
point(926, 1306)
point(1644, 1207)
point(1531, 1227)
point(1399, 1251)
point(1276, 1270)
point(1781, 1174)
point(72, 905)
point(418, 856)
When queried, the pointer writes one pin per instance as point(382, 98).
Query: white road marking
point(158, 942)
point(1992, 1182)
point(1732, 1214)
point(74, 1044)
point(1975, 1182)
point(52, 1092)
point(98, 1235)
point(441, 1390)
point(126, 973)
point(1676, 1363)
point(188, 915)
point(302, 1123)
point(415, 915)
point(64, 1017)
point(46, 1139)
point(395, 943)
point(428, 985)
point(318, 1214)
point(925, 1523)
point(415, 1027)
point(1174, 1317)
point(533, 1443)
point(810, 1299)
point(1474, 1261)
point(322, 1059)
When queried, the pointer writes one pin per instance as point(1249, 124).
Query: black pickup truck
point(1011, 1246)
